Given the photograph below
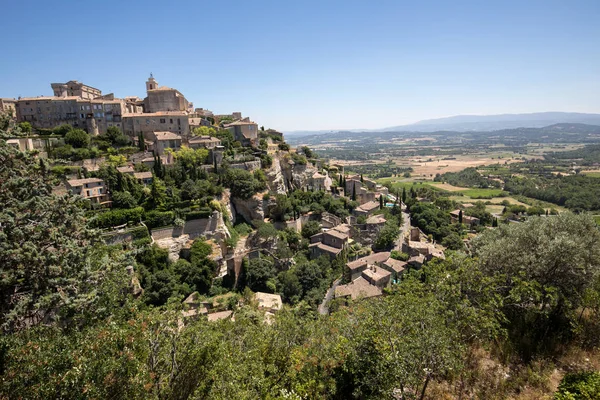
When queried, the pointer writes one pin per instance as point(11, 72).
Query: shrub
point(116, 217)
point(155, 219)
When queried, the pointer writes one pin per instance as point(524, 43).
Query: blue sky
point(327, 64)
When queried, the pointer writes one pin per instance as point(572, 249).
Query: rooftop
point(325, 248)
point(396, 265)
point(219, 315)
point(359, 288)
point(376, 274)
point(336, 234)
point(268, 300)
point(376, 219)
point(81, 182)
point(126, 170)
point(369, 206)
point(166, 136)
point(374, 258)
point(156, 114)
point(142, 175)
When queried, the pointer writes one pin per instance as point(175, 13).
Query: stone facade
point(75, 88)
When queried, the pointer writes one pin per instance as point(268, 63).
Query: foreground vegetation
point(488, 324)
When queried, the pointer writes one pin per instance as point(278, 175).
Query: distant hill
point(464, 123)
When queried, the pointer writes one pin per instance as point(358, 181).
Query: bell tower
point(151, 83)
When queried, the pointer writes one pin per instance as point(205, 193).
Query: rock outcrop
point(250, 209)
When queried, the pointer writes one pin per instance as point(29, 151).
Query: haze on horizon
point(317, 65)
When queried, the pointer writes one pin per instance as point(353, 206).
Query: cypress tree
point(141, 144)
point(460, 217)
point(381, 202)
point(361, 178)
point(404, 195)
point(354, 191)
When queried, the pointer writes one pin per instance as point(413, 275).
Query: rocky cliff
point(285, 175)
point(250, 209)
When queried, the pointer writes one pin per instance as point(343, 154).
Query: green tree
point(25, 127)
point(258, 274)
point(141, 143)
point(311, 228)
point(78, 138)
point(123, 200)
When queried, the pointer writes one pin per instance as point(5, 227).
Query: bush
point(203, 212)
point(112, 218)
point(155, 219)
point(576, 386)
point(77, 138)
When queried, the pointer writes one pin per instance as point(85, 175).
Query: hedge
point(155, 219)
point(203, 212)
point(112, 218)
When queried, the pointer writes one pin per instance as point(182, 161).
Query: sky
point(315, 65)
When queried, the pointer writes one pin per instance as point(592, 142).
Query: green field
point(592, 174)
point(484, 193)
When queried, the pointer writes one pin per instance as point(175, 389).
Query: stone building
point(93, 115)
point(93, 189)
point(75, 88)
point(166, 140)
point(245, 131)
point(148, 123)
point(8, 106)
point(163, 98)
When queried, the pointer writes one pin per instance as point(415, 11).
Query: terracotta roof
point(125, 170)
point(240, 123)
point(376, 219)
point(396, 265)
point(143, 175)
point(156, 114)
point(81, 182)
point(359, 288)
point(336, 234)
point(325, 248)
point(268, 300)
point(376, 274)
point(375, 258)
point(166, 136)
point(343, 228)
point(369, 206)
point(219, 315)
point(203, 139)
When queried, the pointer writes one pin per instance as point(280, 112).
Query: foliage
point(123, 200)
point(117, 217)
point(468, 177)
point(77, 138)
point(311, 228)
point(243, 184)
point(579, 386)
point(387, 235)
point(547, 265)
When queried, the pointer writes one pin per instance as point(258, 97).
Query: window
point(99, 190)
point(89, 192)
point(171, 120)
point(81, 115)
point(82, 108)
point(163, 120)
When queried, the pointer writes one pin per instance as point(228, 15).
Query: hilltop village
point(172, 180)
point(151, 249)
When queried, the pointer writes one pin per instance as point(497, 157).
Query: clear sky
point(326, 64)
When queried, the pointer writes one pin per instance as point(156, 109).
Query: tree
point(354, 191)
point(311, 228)
point(460, 217)
point(453, 242)
point(141, 142)
point(204, 131)
point(381, 202)
point(258, 274)
point(52, 265)
point(387, 235)
point(547, 265)
point(123, 200)
point(62, 130)
point(404, 195)
point(25, 127)
point(158, 195)
point(78, 138)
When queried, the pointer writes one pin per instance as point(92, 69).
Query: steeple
point(151, 83)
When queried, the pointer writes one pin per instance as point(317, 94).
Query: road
point(324, 306)
point(403, 231)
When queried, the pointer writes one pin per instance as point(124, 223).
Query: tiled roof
point(358, 288)
point(142, 175)
point(81, 182)
point(325, 248)
point(166, 136)
point(336, 234)
point(374, 258)
point(219, 315)
point(396, 265)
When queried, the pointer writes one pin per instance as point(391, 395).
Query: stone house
point(93, 189)
point(244, 131)
point(331, 243)
point(166, 140)
point(207, 142)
